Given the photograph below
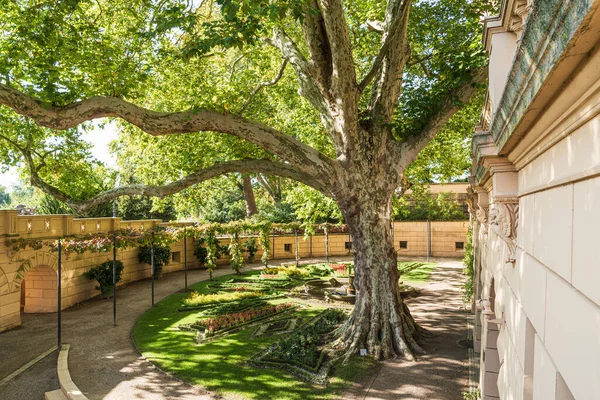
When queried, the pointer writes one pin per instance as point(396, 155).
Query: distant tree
point(4, 196)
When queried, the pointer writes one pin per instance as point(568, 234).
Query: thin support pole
point(428, 240)
point(59, 293)
point(326, 246)
point(114, 279)
point(310, 251)
point(349, 243)
point(152, 267)
point(273, 246)
point(297, 253)
point(185, 256)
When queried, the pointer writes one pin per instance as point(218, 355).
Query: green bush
point(320, 270)
point(103, 274)
point(162, 256)
point(196, 299)
point(200, 251)
point(302, 346)
point(425, 206)
point(251, 247)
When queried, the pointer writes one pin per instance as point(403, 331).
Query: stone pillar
point(502, 54)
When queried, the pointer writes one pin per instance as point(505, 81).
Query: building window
point(348, 245)
point(287, 247)
point(459, 245)
point(404, 244)
point(176, 256)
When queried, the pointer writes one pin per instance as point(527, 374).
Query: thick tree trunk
point(380, 323)
point(248, 191)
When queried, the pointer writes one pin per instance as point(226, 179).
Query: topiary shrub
point(103, 274)
point(162, 256)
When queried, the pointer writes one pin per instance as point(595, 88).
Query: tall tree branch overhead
point(303, 157)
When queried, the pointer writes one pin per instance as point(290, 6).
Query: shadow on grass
point(219, 366)
point(420, 274)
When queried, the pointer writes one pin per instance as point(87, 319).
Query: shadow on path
point(442, 373)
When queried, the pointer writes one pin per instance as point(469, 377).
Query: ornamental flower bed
point(340, 268)
point(226, 321)
point(269, 276)
point(242, 288)
point(197, 299)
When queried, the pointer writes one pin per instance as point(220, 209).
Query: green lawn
point(219, 365)
point(418, 272)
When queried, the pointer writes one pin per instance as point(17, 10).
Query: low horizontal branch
point(218, 169)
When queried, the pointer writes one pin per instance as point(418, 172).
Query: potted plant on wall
point(103, 274)
point(162, 256)
point(200, 251)
point(251, 247)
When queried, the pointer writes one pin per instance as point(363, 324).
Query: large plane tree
point(373, 80)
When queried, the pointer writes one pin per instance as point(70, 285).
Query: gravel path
point(441, 374)
point(105, 364)
point(103, 361)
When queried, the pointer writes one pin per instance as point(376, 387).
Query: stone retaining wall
point(29, 265)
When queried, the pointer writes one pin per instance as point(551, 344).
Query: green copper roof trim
point(480, 173)
point(546, 36)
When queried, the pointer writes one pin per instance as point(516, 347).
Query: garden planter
point(107, 292)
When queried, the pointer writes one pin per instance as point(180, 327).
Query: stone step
point(55, 395)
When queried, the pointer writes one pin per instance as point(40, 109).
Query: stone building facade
point(535, 203)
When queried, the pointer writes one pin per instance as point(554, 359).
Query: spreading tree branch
point(386, 72)
point(315, 36)
point(343, 70)
point(291, 150)
point(265, 185)
point(161, 191)
point(261, 85)
point(307, 85)
point(412, 146)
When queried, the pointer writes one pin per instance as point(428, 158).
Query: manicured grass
point(219, 365)
point(420, 272)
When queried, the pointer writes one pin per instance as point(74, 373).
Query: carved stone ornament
point(504, 221)
point(482, 217)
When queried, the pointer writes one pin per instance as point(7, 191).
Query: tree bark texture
point(251, 208)
point(380, 322)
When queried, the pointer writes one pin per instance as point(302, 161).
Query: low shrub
point(162, 256)
point(341, 269)
point(103, 274)
point(290, 271)
point(302, 347)
point(197, 299)
point(231, 307)
point(251, 247)
point(320, 270)
point(469, 270)
point(230, 320)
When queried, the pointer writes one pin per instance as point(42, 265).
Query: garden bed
point(249, 360)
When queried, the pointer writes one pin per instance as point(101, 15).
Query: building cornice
point(512, 17)
point(551, 29)
point(549, 38)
